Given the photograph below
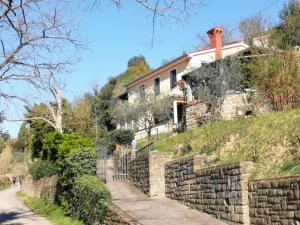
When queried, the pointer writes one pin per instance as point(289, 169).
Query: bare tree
point(49, 111)
point(161, 11)
point(231, 34)
point(255, 27)
point(34, 37)
point(146, 111)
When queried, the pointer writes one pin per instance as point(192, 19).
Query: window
point(156, 86)
point(173, 78)
point(142, 92)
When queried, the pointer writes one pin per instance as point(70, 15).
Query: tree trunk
point(58, 119)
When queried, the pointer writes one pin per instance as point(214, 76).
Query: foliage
point(77, 118)
point(146, 111)
point(277, 75)
point(211, 83)
point(271, 140)
point(3, 135)
point(111, 139)
point(4, 184)
point(72, 142)
point(137, 67)
point(122, 137)
point(79, 163)
point(287, 34)
point(52, 212)
point(90, 200)
point(42, 169)
point(102, 106)
point(136, 60)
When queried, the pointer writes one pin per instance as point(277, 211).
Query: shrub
point(4, 183)
point(89, 201)
point(51, 144)
point(79, 163)
point(42, 169)
point(122, 137)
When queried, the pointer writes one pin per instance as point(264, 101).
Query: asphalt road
point(13, 212)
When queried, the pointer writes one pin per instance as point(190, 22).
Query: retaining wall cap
point(296, 177)
point(241, 164)
point(180, 160)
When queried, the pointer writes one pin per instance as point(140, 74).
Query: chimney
point(215, 38)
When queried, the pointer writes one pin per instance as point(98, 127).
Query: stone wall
point(193, 113)
point(139, 172)
point(116, 216)
point(147, 172)
point(220, 191)
point(234, 105)
point(157, 162)
point(44, 188)
point(275, 201)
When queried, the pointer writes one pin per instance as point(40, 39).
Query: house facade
point(164, 79)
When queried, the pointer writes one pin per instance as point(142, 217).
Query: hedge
point(90, 200)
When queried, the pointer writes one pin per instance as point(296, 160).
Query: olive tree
point(211, 83)
point(146, 111)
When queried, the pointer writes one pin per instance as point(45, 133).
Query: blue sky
point(116, 35)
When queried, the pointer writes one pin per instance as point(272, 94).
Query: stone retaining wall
point(44, 188)
point(116, 216)
point(220, 191)
point(139, 172)
point(193, 113)
point(147, 172)
point(275, 201)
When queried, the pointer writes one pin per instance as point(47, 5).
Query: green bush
point(122, 137)
point(4, 184)
point(90, 200)
point(58, 146)
point(42, 169)
point(79, 163)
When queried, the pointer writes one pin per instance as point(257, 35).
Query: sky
point(115, 35)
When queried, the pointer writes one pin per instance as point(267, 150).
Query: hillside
point(137, 67)
point(272, 141)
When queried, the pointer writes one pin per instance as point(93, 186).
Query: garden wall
point(139, 172)
point(116, 216)
point(220, 191)
point(275, 201)
point(147, 172)
point(44, 188)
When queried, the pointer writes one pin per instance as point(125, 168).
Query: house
point(164, 79)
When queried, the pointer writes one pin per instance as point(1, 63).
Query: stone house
point(164, 79)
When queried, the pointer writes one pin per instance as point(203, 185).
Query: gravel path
point(13, 212)
point(154, 211)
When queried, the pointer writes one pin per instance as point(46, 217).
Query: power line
point(268, 6)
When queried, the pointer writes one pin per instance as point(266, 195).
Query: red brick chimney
point(215, 38)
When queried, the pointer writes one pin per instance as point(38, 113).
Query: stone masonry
point(157, 162)
point(147, 172)
point(139, 172)
point(275, 201)
point(220, 191)
point(44, 188)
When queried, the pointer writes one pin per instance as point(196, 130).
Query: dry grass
point(272, 141)
point(5, 159)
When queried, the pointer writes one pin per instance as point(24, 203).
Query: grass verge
point(50, 211)
point(272, 141)
point(5, 184)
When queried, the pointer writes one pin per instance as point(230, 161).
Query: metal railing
point(147, 148)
